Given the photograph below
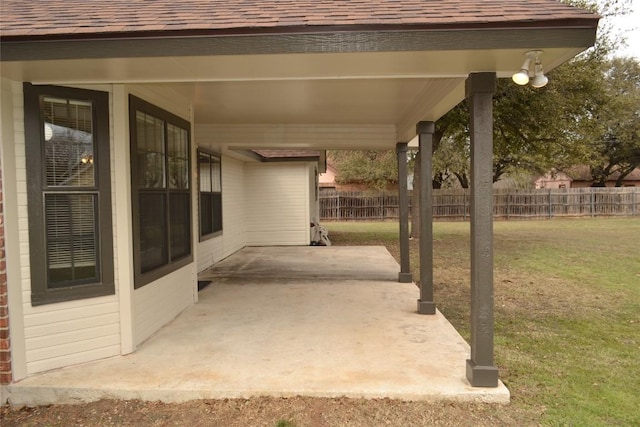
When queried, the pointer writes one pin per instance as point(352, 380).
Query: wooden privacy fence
point(507, 204)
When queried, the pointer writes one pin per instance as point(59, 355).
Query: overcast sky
point(630, 27)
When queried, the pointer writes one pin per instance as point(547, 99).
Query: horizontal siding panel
point(159, 302)
point(280, 238)
point(74, 347)
point(277, 204)
point(71, 338)
point(62, 327)
point(73, 359)
point(80, 313)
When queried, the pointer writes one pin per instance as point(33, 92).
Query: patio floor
point(285, 321)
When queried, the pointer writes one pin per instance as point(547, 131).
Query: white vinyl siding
point(62, 334)
point(72, 334)
point(233, 237)
point(159, 302)
point(277, 204)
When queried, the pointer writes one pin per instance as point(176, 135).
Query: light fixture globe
point(539, 80)
point(521, 77)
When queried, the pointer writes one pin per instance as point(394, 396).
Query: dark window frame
point(173, 263)
point(42, 292)
point(214, 195)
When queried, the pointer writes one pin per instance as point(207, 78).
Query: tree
point(614, 148)
point(374, 168)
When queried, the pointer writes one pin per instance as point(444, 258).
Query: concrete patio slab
point(285, 321)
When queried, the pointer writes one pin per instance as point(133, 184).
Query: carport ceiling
point(398, 88)
point(378, 88)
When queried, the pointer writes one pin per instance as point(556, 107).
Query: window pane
point(206, 214)
point(204, 171)
point(68, 142)
point(217, 211)
point(180, 225)
point(178, 157)
point(71, 238)
point(216, 174)
point(153, 232)
point(150, 148)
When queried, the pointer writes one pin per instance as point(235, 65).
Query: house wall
point(56, 335)
point(553, 181)
point(157, 303)
point(277, 203)
point(233, 237)
point(328, 178)
point(52, 335)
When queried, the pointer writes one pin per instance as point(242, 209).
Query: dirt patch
point(269, 411)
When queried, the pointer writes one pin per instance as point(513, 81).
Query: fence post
point(338, 207)
point(634, 202)
point(593, 203)
point(550, 205)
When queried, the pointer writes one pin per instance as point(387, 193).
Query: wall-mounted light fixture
point(522, 76)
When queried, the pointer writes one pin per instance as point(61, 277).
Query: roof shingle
point(118, 18)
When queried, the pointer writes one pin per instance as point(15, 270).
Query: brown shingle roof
point(122, 18)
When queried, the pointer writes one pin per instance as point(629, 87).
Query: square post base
point(482, 376)
point(426, 307)
point(405, 277)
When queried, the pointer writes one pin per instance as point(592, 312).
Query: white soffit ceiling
point(396, 88)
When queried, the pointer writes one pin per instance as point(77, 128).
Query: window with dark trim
point(69, 193)
point(210, 178)
point(161, 191)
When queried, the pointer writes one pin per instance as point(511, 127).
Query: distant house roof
point(78, 19)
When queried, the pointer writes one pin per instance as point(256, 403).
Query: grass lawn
point(567, 310)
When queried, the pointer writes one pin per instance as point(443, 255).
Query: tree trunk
point(623, 175)
point(463, 179)
point(438, 179)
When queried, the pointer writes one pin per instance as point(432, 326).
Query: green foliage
point(376, 169)
point(451, 163)
point(587, 114)
point(615, 144)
